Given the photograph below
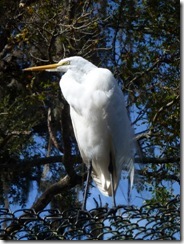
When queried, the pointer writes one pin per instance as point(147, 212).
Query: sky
point(121, 195)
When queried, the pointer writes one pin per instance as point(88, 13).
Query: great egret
point(100, 121)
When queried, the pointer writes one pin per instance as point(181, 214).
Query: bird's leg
point(87, 186)
point(112, 180)
point(81, 212)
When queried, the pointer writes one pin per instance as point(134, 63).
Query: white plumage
point(100, 121)
point(99, 117)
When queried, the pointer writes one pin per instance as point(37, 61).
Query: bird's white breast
point(100, 123)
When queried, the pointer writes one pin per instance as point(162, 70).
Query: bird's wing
point(121, 133)
point(109, 101)
point(98, 112)
point(108, 97)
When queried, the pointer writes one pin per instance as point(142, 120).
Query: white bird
point(99, 118)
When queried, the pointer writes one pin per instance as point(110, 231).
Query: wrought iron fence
point(149, 222)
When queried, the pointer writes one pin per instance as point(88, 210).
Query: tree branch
point(145, 72)
point(162, 176)
point(158, 160)
point(63, 185)
point(169, 104)
point(66, 140)
point(26, 165)
point(50, 130)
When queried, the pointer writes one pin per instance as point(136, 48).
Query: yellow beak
point(43, 67)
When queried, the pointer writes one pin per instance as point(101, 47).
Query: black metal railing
point(149, 222)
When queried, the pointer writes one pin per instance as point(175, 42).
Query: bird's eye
point(66, 63)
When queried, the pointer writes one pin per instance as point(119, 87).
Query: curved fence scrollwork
point(149, 222)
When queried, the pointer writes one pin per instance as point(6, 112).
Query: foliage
point(137, 40)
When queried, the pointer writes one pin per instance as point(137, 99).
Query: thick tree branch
point(51, 133)
point(26, 165)
point(66, 140)
point(63, 185)
point(158, 161)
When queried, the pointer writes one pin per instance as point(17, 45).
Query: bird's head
point(75, 63)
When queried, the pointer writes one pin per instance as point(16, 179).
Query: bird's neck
point(79, 74)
